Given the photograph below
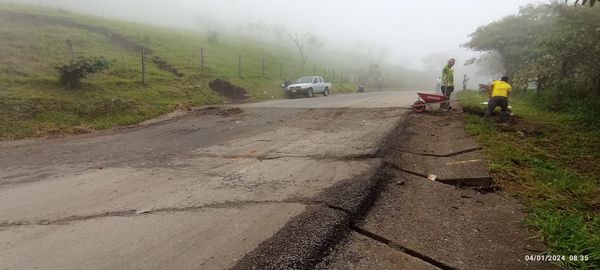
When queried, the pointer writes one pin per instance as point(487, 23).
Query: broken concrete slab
point(360, 252)
point(436, 135)
point(468, 169)
point(166, 240)
point(442, 225)
point(459, 227)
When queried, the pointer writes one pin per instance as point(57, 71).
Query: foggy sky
point(410, 29)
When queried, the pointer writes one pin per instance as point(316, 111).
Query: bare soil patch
point(229, 90)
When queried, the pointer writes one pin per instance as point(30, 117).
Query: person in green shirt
point(448, 78)
point(447, 86)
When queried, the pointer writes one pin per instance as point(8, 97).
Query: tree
point(512, 40)
point(487, 65)
point(582, 2)
point(592, 2)
point(78, 69)
point(305, 44)
point(552, 45)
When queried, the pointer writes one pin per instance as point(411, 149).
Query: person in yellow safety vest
point(499, 93)
point(447, 86)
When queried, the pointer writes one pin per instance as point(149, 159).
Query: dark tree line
point(554, 46)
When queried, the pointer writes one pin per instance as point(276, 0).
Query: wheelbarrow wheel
point(419, 106)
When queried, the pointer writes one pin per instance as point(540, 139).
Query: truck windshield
point(305, 80)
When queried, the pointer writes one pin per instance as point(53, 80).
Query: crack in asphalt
point(138, 212)
point(403, 249)
point(365, 156)
point(134, 212)
point(448, 181)
point(456, 153)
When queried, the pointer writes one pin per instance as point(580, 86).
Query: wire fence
point(267, 68)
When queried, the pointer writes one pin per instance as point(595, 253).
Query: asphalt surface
point(202, 191)
point(384, 99)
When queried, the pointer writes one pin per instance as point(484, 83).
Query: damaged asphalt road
point(342, 182)
point(209, 190)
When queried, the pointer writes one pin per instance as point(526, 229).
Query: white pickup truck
point(309, 86)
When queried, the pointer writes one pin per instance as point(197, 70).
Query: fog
point(407, 33)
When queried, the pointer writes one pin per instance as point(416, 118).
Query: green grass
point(550, 161)
point(33, 103)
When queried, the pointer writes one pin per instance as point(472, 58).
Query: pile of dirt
point(525, 128)
point(229, 90)
point(515, 123)
point(474, 110)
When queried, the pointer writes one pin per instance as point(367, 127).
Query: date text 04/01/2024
point(555, 258)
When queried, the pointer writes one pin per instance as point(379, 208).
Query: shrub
point(78, 69)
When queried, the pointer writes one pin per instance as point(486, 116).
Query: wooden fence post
point(143, 65)
point(263, 67)
point(240, 66)
point(202, 60)
point(70, 52)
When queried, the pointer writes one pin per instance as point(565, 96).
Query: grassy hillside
point(33, 41)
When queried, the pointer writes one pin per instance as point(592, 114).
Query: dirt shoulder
point(417, 223)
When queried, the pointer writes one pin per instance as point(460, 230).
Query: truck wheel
point(310, 93)
point(326, 92)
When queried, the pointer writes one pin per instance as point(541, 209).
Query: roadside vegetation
point(549, 152)
point(35, 42)
point(552, 48)
point(549, 160)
